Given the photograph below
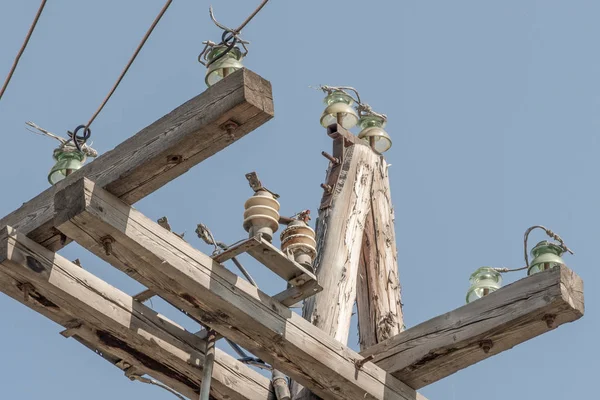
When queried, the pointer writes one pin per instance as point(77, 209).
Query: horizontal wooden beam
point(505, 318)
point(162, 151)
point(223, 301)
point(39, 302)
point(104, 314)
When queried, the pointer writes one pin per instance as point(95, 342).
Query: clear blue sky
point(492, 106)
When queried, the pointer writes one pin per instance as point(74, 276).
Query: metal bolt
point(327, 188)
point(549, 319)
point(360, 363)
point(229, 127)
point(331, 158)
point(107, 242)
point(486, 345)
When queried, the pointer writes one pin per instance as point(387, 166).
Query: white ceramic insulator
point(299, 239)
point(261, 215)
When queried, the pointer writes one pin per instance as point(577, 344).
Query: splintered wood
point(110, 319)
point(160, 152)
point(203, 288)
point(497, 322)
point(379, 302)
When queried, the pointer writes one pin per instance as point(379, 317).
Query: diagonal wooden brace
point(220, 299)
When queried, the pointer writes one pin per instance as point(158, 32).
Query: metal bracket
point(257, 185)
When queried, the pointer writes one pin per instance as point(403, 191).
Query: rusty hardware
point(230, 126)
point(486, 345)
point(360, 363)
point(175, 159)
point(257, 185)
point(327, 188)
point(27, 288)
point(71, 328)
point(107, 242)
point(549, 320)
point(331, 158)
point(336, 131)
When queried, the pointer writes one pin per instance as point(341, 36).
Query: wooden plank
point(144, 295)
point(503, 319)
point(160, 152)
point(40, 303)
point(237, 249)
point(272, 258)
point(120, 322)
point(294, 294)
point(378, 297)
point(339, 233)
point(220, 299)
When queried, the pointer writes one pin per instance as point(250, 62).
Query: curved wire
point(549, 233)
point(20, 53)
point(131, 60)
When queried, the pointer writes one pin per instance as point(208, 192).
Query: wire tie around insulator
point(79, 141)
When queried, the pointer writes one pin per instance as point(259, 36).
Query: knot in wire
point(550, 234)
point(79, 141)
point(229, 39)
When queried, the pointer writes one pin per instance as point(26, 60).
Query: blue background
point(492, 106)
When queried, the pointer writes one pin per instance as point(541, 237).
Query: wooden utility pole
point(357, 252)
point(340, 228)
point(379, 302)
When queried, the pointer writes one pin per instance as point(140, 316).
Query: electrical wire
point(230, 37)
point(131, 60)
point(20, 53)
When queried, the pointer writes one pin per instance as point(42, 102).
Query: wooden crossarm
point(505, 318)
point(220, 299)
point(105, 315)
point(162, 151)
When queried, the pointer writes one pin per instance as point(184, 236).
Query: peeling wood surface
point(339, 234)
point(503, 319)
point(379, 301)
point(220, 299)
point(105, 314)
point(160, 152)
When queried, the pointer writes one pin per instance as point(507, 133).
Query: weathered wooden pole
point(340, 227)
point(379, 300)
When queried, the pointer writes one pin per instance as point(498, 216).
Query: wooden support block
point(294, 294)
point(274, 259)
point(106, 315)
point(160, 152)
point(237, 249)
point(144, 295)
point(228, 304)
point(497, 322)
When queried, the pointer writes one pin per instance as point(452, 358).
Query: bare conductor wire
point(20, 53)
point(131, 60)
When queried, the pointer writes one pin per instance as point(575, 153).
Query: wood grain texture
point(220, 299)
point(378, 298)
point(339, 232)
point(106, 315)
point(507, 317)
point(160, 152)
point(39, 302)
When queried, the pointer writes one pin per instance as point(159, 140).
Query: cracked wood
point(228, 304)
point(111, 318)
point(160, 152)
point(497, 322)
point(378, 299)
